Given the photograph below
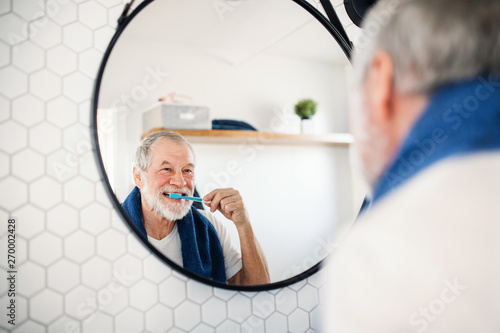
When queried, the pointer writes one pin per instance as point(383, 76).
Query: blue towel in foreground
point(461, 118)
point(201, 248)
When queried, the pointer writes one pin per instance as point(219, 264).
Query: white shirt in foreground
point(170, 246)
point(425, 258)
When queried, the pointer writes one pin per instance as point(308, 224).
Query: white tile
point(77, 36)
point(28, 110)
point(136, 247)
point(78, 303)
point(187, 315)
point(95, 217)
point(172, 291)
point(30, 327)
point(4, 165)
point(198, 292)
point(308, 297)
point(129, 320)
point(119, 300)
point(158, 318)
point(143, 295)
point(62, 164)
point(45, 33)
point(79, 192)
point(45, 84)
point(13, 82)
point(4, 7)
point(45, 138)
point(4, 108)
point(63, 275)
point(213, 311)
point(96, 273)
point(102, 37)
point(239, 308)
point(111, 3)
point(101, 322)
point(89, 62)
point(63, 324)
point(32, 279)
point(79, 246)
point(30, 221)
point(77, 87)
point(62, 60)
point(28, 57)
point(45, 192)
point(45, 249)
point(28, 10)
point(156, 270)
point(254, 324)
point(111, 244)
point(228, 326)
point(224, 294)
point(28, 165)
point(130, 267)
point(62, 220)
point(14, 193)
point(92, 14)
point(319, 279)
point(4, 54)
point(276, 323)
point(298, 321)
point(13, 137)
point(88, 169)
point(21, 309)
point(62, 13)
point(263, 304)
point(203, 328)
point(14, 29)
point(286, 301)
point(316, 316)
point(62, 112)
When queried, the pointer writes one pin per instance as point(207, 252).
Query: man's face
point(371, 140)
point(171, 171)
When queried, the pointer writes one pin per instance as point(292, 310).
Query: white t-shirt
point(170, 246)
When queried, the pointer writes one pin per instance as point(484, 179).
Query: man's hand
point(230, 203)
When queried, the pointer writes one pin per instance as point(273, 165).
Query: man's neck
point(156, 226)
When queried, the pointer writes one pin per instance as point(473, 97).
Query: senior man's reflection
point(164, 163)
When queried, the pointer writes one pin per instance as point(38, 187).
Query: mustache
point(185, 191)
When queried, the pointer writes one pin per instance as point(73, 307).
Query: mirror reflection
point(226, 76)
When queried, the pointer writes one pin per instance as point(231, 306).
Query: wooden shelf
point(235, 136)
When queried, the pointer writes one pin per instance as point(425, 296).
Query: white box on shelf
point(176, 116)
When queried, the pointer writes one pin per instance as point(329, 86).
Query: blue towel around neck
point(460, 118)
point(201, 249)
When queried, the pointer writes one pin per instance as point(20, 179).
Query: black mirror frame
point(123, 23)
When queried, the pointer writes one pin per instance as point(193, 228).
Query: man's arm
point(229, 202)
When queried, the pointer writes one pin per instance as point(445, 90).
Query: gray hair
point(431, 42)
point(143, 154)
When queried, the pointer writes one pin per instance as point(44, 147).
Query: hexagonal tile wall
point(80, 268)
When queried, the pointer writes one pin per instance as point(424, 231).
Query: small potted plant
point(305, 109)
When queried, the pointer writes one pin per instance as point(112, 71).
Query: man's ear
point(137, 177)
point(380, 86)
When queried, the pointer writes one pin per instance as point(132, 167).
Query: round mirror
point(227, 75)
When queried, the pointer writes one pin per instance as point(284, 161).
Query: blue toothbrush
point(178, 196)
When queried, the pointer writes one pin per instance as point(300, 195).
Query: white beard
point(171, 212)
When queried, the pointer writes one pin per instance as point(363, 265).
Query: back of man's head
point(431, 42)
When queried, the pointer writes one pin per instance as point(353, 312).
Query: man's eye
point(166, 169)
point(188, 171)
